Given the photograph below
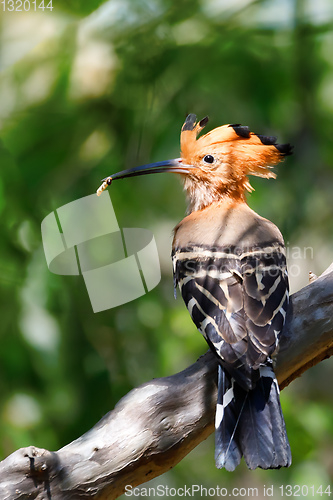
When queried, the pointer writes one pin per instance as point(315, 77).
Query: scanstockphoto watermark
point(197, 490)
point(269, 260)
point(117, 264)
point(194, 490)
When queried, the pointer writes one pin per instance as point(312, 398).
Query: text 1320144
point(26, 5)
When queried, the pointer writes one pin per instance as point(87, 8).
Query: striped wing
point(238, 301)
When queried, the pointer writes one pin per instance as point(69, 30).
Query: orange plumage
point(236, 153)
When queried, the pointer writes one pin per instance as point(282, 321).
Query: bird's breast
point(228, 225)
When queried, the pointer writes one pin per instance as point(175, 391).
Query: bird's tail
point(250, 423)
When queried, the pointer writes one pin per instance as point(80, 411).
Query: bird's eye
point(209, 159)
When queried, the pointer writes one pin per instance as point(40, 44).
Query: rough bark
point(154, 426)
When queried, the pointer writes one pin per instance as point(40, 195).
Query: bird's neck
point(203, 194)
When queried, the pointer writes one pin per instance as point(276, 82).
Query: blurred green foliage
point(107, 86)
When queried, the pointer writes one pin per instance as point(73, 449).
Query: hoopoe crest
point(224, 158)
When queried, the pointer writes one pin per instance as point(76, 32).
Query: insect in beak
point(174, 166)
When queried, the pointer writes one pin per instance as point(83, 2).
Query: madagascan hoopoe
point(230, 265)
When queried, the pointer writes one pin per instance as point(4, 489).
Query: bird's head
point(216, 164)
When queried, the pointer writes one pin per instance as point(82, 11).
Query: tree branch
point(155, 425)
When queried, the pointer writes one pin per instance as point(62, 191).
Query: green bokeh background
point(94, 87)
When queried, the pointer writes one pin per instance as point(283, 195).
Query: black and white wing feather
point(237, 301)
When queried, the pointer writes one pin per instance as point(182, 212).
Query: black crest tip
point(241, 130)
point(284, 149)
point(267, 140)
point(189, 122)
point(204, 122)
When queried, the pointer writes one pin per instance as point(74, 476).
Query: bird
point(230, 266)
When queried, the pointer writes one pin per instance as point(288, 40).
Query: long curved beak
point(175, 166)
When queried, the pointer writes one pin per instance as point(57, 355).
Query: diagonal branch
point(155, 425)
